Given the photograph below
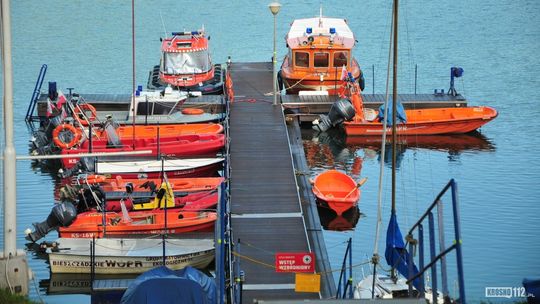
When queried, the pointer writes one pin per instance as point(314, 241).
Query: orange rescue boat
point(139, 223)
point(336, 189)
point(119, 183)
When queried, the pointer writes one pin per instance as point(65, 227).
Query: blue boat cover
point(163, 285)
point(401, 117)
point(396, 254)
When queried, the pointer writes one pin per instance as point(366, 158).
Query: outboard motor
point(62, 214)
point(340, 111)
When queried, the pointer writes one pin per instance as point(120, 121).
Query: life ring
point(82, 109)
point(75, 138)
point(96, 179)
point(192, 111)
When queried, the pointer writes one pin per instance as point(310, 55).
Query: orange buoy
point(75, 138)
point(192, 111)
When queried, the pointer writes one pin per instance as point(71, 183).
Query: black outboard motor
point(62, 214)
point(340, 111)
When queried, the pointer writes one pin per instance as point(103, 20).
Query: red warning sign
point(295, 262)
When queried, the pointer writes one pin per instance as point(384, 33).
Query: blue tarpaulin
point(401, 117)
point(396, 254)
point(163, 285)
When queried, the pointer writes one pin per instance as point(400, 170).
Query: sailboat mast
point(394, 106)
point(394, 110)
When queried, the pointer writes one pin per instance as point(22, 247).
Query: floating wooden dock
point(267, 214)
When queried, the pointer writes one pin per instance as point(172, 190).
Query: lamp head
point(274, 7)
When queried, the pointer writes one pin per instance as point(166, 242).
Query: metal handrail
point(35, 94)
point(432, 264)
point(347, 282)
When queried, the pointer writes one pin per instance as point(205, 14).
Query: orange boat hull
point(429, 122)
point(177, 184)
point(336, 189)
point(89, 224)
point(152, 131)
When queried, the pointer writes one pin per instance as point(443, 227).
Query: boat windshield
point(320, 60)
point(186, 63)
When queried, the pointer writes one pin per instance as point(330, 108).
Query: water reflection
point(331, 221)
point(332, 148)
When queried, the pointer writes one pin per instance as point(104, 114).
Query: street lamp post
point(274, 8)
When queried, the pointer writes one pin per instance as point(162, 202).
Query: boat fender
point(76, 136)
point(80, 113)
point(96, 179)
point(192, 111)
point(361, 81)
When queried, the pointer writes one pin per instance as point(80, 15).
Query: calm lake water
point(87, 45)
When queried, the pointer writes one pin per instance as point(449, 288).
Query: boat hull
point(336, 190)
point(152, 169)
point(436, 121)
point(129, 256)
point(155, 131)
point(143, 223)
point(174, 146)
point(177, 184)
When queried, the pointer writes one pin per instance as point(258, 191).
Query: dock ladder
point(35, 95)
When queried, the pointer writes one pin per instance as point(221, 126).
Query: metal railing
point(223, 232)
point(35, 95)
point(343, 279)
point(434, 257)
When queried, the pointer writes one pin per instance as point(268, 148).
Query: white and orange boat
point(320, 51)
point(186, 64)
point(337, 190)
point(431, 121)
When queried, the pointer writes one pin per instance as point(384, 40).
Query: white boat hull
point(129, 256)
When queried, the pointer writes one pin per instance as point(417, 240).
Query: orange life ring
point(96, 179)
point(82, 109)
point(192, 111)
point(76, 137)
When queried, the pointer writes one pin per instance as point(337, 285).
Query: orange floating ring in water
point(75, 138)
point(192, 111)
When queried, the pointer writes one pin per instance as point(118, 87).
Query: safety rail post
point(35, 94)
point(457, 240)
point(343, 273)
point(421, 258)
point(432, 253)
point(350, 280)
point(410, 268)
point(440, 221)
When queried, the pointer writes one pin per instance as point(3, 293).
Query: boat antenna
point(163, 24)
point(320, 14)
point(133, 71)
point(375, 259)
